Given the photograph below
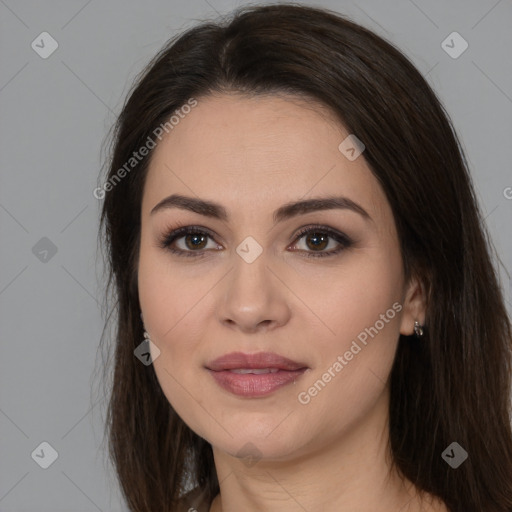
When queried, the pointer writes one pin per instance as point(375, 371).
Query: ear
point(414, 306)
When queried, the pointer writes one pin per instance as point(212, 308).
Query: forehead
point(258, 152)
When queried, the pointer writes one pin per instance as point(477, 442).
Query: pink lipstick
point(254, 375)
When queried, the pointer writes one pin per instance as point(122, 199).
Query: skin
point(253, 155)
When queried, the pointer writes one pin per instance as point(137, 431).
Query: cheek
point(353, 297)
point(173, 305)
point(350, 379)
point(171, 300)
point(356, 344)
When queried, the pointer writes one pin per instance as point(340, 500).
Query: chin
point(265, 439)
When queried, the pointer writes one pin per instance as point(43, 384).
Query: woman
point(308, 316)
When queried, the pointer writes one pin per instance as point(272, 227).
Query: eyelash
point(168, 238)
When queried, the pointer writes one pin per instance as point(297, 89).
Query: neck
point(352, 472)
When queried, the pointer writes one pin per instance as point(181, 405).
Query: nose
point(253, 297)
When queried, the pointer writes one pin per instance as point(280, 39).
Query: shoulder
point(194, 501)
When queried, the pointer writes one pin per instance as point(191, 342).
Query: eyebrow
point(287, 211)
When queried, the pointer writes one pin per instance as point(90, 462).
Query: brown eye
point(195, 241)
point(187, 241)
point(318, 238)
point(317, 241)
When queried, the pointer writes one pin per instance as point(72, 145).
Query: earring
point(146, 334)
point(418, 329)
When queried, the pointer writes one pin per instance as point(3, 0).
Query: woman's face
point(334, 301)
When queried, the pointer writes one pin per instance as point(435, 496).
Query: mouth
point(255, 371)
point(254, 375)
point(258, 361)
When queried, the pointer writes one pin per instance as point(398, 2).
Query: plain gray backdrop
point(55, 114)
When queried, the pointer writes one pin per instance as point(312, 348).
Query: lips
point(254, 375)
point(258, 361)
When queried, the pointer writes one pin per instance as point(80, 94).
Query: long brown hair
point(454, 385)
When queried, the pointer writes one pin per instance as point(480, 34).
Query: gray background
point(55, 114)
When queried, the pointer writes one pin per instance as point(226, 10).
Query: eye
point(192, 241)
point(318, 238)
